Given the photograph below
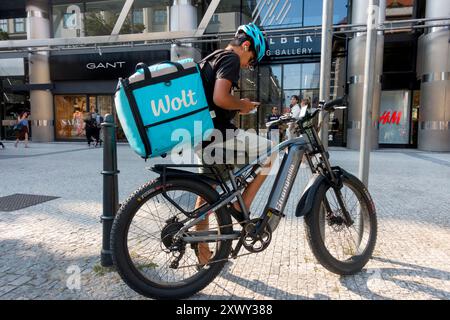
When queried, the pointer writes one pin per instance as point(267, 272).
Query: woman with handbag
point(22, 129)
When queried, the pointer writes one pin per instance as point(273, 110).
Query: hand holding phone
point(256, 104)
point(248, 106)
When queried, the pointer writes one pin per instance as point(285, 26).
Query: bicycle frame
point(276, 203)
point(308, 144)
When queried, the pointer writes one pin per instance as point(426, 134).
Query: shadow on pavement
point(396, 276)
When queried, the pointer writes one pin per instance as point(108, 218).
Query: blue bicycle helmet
point(259, 42)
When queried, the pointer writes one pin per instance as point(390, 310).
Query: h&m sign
point(293, 46)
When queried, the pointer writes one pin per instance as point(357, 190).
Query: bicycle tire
point(121, 256)
point(314, 233)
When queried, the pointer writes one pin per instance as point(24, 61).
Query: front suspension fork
point(345, 214)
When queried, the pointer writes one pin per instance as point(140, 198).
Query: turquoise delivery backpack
point(159, 99)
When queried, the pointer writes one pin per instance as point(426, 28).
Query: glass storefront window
point(70, 112)
point(399, 9)
point(101, 16)
point(270, 88)
point(301, 76)
point(394, 117)
point(278, 14)
point(227, 17)
point(19, 25)
point(95, 18)
point(273, 14)
point(310, 75)
point(11, 105)
point(340, 12)
point(148, 16)
point(4, 25)
point(68, 20)
point(312, 95)
point(312, 12)
point(291, 76)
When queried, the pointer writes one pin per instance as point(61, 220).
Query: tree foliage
point(3, 35)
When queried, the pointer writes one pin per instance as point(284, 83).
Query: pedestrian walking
point(295, 112)
point(21, 129)
point(90, 127)
point(274, 132)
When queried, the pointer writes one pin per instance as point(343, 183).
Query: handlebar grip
point(333, 103)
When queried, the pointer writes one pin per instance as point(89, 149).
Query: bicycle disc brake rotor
point(336, 221)
point(167, 233)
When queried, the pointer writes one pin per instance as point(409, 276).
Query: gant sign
point(108, 66)
point(105, 65)
point(293, 45)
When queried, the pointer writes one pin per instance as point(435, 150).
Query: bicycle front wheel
point(142, 239)
point(341, 248)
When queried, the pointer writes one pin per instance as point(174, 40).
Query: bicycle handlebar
point(330, 104)
point(323, 106)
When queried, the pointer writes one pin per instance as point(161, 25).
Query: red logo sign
point(387, 118)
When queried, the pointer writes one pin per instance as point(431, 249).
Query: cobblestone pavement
point(43, 247)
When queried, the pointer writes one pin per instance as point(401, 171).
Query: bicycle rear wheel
point(340, 248)
point(142, 236)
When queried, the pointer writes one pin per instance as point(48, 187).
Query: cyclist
point(221, 72)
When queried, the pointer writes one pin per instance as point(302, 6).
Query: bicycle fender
point(306, 202)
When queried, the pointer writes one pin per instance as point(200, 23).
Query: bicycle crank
point(256, 242)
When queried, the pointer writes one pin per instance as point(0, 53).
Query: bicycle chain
point(215, 261)
point(225, 259)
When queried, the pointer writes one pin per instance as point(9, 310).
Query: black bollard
point(110, 186)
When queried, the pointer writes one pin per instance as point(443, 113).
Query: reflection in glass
point(68, 20)
point(278, 13)
point(227, 17)
point(94, 18)
point(340, 11)
point(310, 75)
point(313, 12)
point(291, 76)
point(312, 95)
point(270, 85)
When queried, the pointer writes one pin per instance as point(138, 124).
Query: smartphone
point(257, 104)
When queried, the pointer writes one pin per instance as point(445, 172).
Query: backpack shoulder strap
point(217, 53)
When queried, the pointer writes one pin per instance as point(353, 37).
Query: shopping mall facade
point(412, 90)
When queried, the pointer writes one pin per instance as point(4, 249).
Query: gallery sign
point(293, 46)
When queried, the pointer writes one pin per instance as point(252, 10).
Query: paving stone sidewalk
point(51, 250)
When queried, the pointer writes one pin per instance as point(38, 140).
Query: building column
point(355, 76)
point(183, 17)
point(41, 101)
point(434, 70)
